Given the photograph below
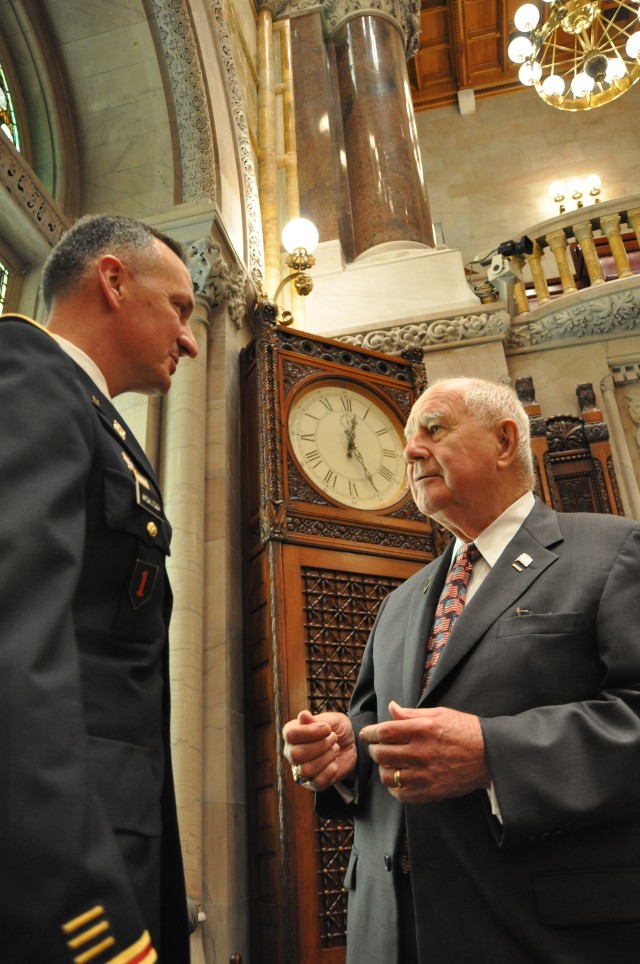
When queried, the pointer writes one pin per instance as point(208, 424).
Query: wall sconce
point(576, 190)
point(556, 191)
point(300, 239)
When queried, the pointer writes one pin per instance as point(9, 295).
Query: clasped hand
point(428, 755)
point(422, 755)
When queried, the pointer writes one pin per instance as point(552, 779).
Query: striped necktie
point(450, 605)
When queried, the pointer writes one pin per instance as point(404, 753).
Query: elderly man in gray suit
point(491, 755)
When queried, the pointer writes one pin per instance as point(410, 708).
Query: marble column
point(386, 182)
point(183, 481)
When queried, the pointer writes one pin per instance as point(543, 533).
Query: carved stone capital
point(393, 341)
point(406, 13)
point(213, 281)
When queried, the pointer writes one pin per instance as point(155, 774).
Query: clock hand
point(350, 432)
point(368, 475)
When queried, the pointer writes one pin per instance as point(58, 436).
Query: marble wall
point(487, 173)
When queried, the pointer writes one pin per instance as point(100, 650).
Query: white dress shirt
point(86, 364)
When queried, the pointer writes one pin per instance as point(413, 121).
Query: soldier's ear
point(110, 274)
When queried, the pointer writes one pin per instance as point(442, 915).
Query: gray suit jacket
point(557, 689)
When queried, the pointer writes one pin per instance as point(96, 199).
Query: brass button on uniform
point(152, 529)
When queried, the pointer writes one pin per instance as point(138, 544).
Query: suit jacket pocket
point(124, 778)
point(350, 876)
point(538, 624)
point(599, 896)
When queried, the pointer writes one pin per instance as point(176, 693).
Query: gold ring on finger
point(296, 771)
point(396, 779)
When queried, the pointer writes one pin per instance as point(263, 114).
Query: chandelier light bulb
point(529, 72)
point(519, 49)
point(526, 17)
point(556, 190)
point(615, 70)
point(553, 84)
point(582, 84)
point(592, 184)
point(633, 45)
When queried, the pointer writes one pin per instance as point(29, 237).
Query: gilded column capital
point(213, 281)
point(406, 13)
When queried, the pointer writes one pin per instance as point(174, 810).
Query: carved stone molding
point(24, 187)
point(195, 133)
point(393, 341)
point(334, 12)
point(603, 314)
point(250, 181)
point(213, 281)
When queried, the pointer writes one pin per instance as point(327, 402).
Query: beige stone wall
point(488, 173)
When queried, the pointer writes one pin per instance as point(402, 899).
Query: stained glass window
point(7, 117)
point(4, 281)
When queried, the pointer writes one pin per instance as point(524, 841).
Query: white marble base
point(387, 284)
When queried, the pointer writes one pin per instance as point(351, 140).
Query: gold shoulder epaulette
point(36, 324)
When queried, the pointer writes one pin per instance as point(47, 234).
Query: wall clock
point(349, 442)
point(329, 530)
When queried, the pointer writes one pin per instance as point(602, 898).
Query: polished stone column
point(383, 161)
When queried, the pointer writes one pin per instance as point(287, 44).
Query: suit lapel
point(502, 588)
point(419, 625)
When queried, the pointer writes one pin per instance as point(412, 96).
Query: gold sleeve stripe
point(83, 919)
point(94, 951)
point(88, 935)
point(141, 952)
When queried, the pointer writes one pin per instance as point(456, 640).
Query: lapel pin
point(522, 562)
point(427, 584)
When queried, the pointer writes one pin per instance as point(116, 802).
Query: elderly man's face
point(451, 459)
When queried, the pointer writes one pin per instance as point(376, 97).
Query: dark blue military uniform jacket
point(90, 864)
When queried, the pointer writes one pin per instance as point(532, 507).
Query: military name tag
point(142, 582)
point(146, 501)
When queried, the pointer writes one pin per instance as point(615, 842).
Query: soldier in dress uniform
point(90, 862)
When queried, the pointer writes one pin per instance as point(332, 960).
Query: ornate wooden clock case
point(330, 529)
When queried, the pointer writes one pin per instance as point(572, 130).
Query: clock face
point(349, 443)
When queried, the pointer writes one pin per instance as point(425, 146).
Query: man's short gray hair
point(91, 237)
point(488, 403)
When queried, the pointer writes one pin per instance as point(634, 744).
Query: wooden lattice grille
point(339, 611)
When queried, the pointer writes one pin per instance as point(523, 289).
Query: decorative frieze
point(32, 197)
point(602, 314)
point(444, 331)
point(245, 150)
point(193, 121)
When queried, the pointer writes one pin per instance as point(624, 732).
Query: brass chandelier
point(582, 55)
